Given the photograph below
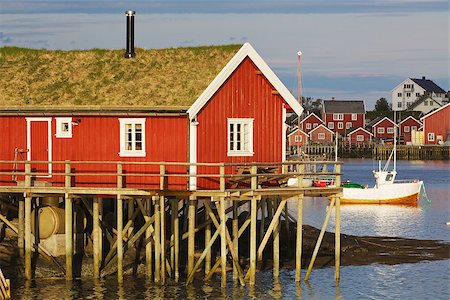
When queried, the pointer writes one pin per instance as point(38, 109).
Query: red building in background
point(406, 126)
point(310, 122)
point(436, 126)
point(343, 115)
point(384, 129)
point(322, 135)
point(360, 136)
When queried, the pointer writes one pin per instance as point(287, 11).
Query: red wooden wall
point(437, 123)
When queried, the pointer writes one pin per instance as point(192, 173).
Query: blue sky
point(351, 49)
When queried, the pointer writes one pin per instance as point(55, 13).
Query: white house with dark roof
point(411, 90)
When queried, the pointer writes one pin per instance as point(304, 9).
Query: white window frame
point(399, 105)
point(242, 152)
point(60, 133)
point(360, 138)
point(338, 117)
point(133, 152)
point(315, 125)
point(380, 130)
point(298, 138)
point(431, 136)
point(413, 128)
point(348, 125)
point(406, 128)
point(340, 125)
point(331, 125)
point(390, 130)
point(308, 125)
point(354, 117)
point(321, 136)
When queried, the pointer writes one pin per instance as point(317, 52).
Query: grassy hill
point(155, 77)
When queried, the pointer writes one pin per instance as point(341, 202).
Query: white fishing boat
point(386, 190)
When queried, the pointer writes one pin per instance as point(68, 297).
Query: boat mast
point(395, 141)
point(299, 95)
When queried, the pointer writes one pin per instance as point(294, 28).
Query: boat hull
point(397, 193)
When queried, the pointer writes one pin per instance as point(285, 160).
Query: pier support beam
point(191, 237)
point(119, 239)
point(21, 225)
point(28, 241)
point(148, 246)
point(157, 239)
point(207, 238)
point(95, 236)
point(253, 209)
point(69, 236)
point(235, 231)
point(337, 246)
point(223, 242)
point(176, 239)
point(299, 244)
point(276, 242)
point(163, 238)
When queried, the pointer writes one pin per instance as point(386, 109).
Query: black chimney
point(130, 34)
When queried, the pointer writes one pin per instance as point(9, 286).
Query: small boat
point(386, 190)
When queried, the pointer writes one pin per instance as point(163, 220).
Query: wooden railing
point(159, 175)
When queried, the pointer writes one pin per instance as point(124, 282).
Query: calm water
point(425, 280)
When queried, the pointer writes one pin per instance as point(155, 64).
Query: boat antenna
point(299, 95)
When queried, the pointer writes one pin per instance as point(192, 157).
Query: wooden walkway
point(173, 215)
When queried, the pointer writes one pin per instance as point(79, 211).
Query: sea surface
point(424, 280)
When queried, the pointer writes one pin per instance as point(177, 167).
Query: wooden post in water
point(119, 238)
point(28, 241)
point(337, 246)
point(95, 236)
point(207, 239)
point(298, 247)
point(163, 238)
point(176, 243)
point(235, 231)
point(191, 234)
point(223, 242)
point(148, 246)
point(69, 236)
point(21, 225)
point(276, 243)
point(100, 231)
point(157, 215)
point(254, 208)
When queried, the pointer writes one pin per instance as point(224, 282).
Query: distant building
point(321, 134)
point(343, 115)
point(296, 138)
point(407, 127)
point(310, 122)
point(384, 129)
point(436, 126)
point(411, 90)
point(360, 136)
point(425, 104)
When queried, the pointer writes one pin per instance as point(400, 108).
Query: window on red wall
point(354, 117)
point(431, 136)
point(321, 136)
point(380, 130)
point(360, 138)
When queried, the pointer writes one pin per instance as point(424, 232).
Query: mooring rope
point(424, 193)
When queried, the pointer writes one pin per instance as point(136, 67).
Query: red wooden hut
point(384, 129)
point(321, 134)
point(239, 117)
point(310, 122)
point(407, 126)
point(360, 136)
point(297, 138)
point(436, 125)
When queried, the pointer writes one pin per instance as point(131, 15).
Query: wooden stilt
point(235, 231)
point(207, 239)
point(223, 242)
point(130, 213)
point(119, 239)
point(276, 242)
point(100, 231)
point(253, 240)
point(157, 240)
point(191, 238)
point(337, 247)
point(28, 242)
point(272, 225)
point(148, 246)
point(95, 237)
point(176, 245)
point(162, 208)
point(299, 244)
point(287, 228)
point(319, 239)
point(69, 236)
point(21, 225)
point(263, 219)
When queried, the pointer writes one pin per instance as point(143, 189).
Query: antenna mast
point(299, 95)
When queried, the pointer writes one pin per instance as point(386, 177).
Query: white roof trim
point(246, 50)
point(321, 125)
point(359, 129)
point(407, 119)
point(434, 111)
point(382, 120)
point(295, 131)
point(310, 116)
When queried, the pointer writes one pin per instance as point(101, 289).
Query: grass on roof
point(155, 77)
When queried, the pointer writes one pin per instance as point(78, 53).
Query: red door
point(39, 146)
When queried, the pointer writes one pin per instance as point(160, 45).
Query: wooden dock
point(160, 219)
